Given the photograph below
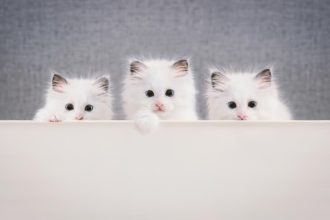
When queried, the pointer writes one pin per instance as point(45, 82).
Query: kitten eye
point(69, 107)
point(252, 104)
point(150, 93)
point(169, 92)
point(232, 105)
point(88, 108)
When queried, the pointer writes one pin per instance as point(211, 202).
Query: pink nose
point(159, 105)
point(79, 117)
point(242, 116)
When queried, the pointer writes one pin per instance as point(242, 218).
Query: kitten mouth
point(241, 119)
point(159, 110)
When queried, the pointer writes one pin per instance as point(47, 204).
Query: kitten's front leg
point(146, 121)
point(44, 115)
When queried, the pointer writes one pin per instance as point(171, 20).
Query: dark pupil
point(232, 105)
point(169, 92)
point(69, 107)
point(150, 93)
point(88, 108)
point(252, 104)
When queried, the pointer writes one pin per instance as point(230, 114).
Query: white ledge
point(202, 170)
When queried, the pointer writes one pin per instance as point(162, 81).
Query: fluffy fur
point(245, 96)
point(159, 89)
point(89, 99)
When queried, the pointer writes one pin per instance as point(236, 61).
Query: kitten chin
point(245, 96)
point(162, 89)
point(76, 99)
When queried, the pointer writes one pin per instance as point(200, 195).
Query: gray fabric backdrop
point(81, 36)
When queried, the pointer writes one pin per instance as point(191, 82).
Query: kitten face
point(79, 99)
point(160, 86)
point(245, 96)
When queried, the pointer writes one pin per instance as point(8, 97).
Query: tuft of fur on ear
point(136, 68)
point(264, 78)
point(103, 83)
point(181, 67)
point(219, 81)
point(58, 82)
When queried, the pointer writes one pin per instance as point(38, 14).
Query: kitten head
point(241, 96)
point(80, 99)
point(158, 85)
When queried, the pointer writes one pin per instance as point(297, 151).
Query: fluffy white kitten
point(76, 99)
point(159, 89)
point(245, 96)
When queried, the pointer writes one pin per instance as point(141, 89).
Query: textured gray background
point(80, 36)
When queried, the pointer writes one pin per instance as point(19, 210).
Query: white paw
point(54, 118)
point(146, 122)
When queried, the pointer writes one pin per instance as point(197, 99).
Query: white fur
point(241, 88)
point(79, 92)
point(158, 76)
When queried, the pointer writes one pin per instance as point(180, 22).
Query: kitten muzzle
point(79, 117)
point(242, 117)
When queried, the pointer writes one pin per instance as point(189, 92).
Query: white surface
point(202, 170)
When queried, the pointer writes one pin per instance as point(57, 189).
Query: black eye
point(232, 105)
point(69, 107)
point(169, 92)
point(150, 93)
point(88, 108)
point(252, 104)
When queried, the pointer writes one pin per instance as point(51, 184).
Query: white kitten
point(76, 99)
point(159, 89)
point(245, 96)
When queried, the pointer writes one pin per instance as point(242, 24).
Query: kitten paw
point(146, 122)
point(54, 119)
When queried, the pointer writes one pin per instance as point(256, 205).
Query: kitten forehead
point(159, 67)
point(241, 79)
point(81, 89)
point(159, 74)
point(159, 62)
point(241, 91)
point(166, 68)
point(242, 87)
point(80, 86)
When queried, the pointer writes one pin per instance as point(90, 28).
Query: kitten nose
point(242, 116)
point(159, 105)
point(79, 117)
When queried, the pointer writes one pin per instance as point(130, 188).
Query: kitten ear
point(219, 81)
point(103, 83)
point(136, 68)
point(181, 67)
point(264, 78)
point(58, 82)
